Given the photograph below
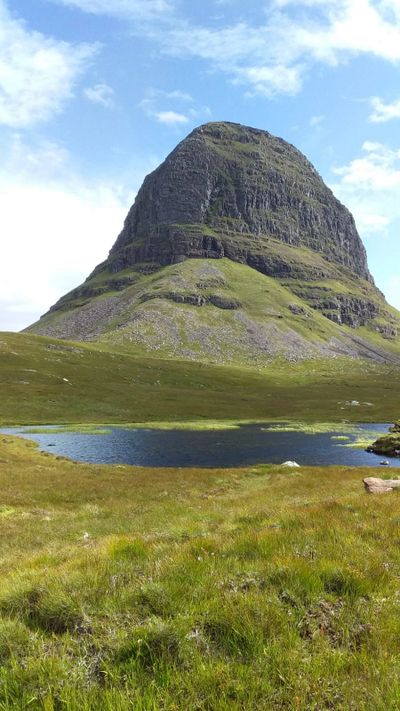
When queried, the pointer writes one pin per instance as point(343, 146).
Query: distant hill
point(234, 251)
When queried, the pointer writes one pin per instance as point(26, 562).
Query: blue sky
point(95, 93)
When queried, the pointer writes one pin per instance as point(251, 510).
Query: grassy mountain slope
point(224, 311)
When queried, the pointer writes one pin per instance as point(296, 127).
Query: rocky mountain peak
point(236, 251)
point(231, 190)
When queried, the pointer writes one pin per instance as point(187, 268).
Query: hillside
point(234, 251)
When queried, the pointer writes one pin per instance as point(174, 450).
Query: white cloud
point(101, 94)
point(348, 27)
point(124, 9)
point(378, 169)
point(175, 94)
point(275, 56)
point(269, 81)
point(53, 243)
point(392, 291)
point(369, 185)
point(384, 112)
point(171, 118)
point(172, 108)
point(20, 160)
point(55, 226)
point(37, 73)
point(315, 121)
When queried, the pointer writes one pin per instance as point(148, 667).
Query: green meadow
point(47, 381)
point(174, 589)
point(253, 588)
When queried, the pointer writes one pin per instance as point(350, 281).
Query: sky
point(94, 94)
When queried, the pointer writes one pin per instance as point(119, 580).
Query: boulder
point(374, 485)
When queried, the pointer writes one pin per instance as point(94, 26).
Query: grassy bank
point(45, 381)
point(254, 588)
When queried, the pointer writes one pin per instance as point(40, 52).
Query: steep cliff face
point(228, 190)
point(234, 250)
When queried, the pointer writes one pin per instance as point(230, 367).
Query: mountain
point(234, 250)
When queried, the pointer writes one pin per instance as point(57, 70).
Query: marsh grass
point(252, 588)
point(314, 427)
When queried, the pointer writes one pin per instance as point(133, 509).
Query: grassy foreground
point(254, 588)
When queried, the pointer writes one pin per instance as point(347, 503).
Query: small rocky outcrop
point(218, 300)
point(388, 444)
point(389, 331)
point(224, 302)
point(297, 310)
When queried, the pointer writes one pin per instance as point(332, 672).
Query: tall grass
point(254, 588)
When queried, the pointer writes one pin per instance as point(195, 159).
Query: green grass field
point(175, 589)
point(255, 588)
point(46, 381)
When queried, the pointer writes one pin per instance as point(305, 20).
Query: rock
point(340, 308)
point(388, 444)
point(289, 463)
point(193, 299)
point(222, 302)
point(373, 485)
point(389, 331)
point(297, 309)
point(222, 189)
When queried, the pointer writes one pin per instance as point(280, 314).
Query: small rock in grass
point(289, 463)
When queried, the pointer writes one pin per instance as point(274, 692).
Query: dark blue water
point(249, 444)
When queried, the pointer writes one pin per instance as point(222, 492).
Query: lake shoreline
point(324, 444)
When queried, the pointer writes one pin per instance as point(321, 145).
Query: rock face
point(234, 191)
point(234, 251)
